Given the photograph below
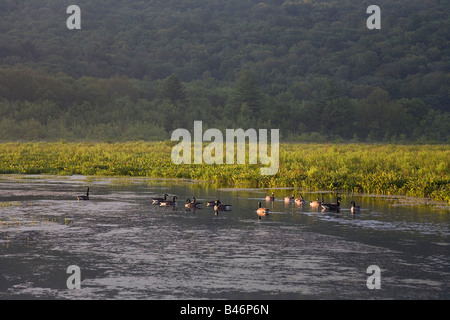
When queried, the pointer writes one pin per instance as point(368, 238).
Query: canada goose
point(212, 203)
point(299, 201)
point(158, 200)
point(289, 199)
point(332, 206)
point(221, 207)
point(168, 203)
point(262, 211)
point(271, 197)
point(316, 204)
point(197, 204)
point(192, 204)
point(355, 208)
point(86, 197)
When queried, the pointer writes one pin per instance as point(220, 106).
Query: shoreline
point(413, 171)
point(399, 200)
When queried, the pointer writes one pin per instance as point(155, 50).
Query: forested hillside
point(138, 69)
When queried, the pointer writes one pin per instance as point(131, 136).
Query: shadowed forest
point(139, 69)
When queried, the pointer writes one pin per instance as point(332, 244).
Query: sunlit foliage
point(417, 170)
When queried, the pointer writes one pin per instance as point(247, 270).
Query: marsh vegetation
point(410, 170)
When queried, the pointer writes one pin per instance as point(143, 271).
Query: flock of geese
point(219, 206)
point(191, 204)
point(319, 204)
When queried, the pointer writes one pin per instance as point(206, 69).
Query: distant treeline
point(139, 69)
point(36, 105)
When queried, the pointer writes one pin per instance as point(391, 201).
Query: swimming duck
point(355, 208)
point(194, 200)
point(192, 204)
point(158, 200)
point(271, 197)
point(299, 201)
point(262, 211)
point(221, 207)
point(332, 206)
point(168, 203)
point(316, 203)
point(86, 197)
point(289, 199)
point(212, 203)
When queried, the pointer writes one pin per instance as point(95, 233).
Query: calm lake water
point(127, 248)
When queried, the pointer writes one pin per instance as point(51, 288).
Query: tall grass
point(412, 170)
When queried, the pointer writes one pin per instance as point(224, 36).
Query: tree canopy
point(138, 69)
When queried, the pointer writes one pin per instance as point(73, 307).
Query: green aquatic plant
point(411, 170)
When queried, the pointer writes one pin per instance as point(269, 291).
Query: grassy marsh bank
point(410, 170)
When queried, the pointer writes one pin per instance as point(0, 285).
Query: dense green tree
point(249, 93)
point(173, 90)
